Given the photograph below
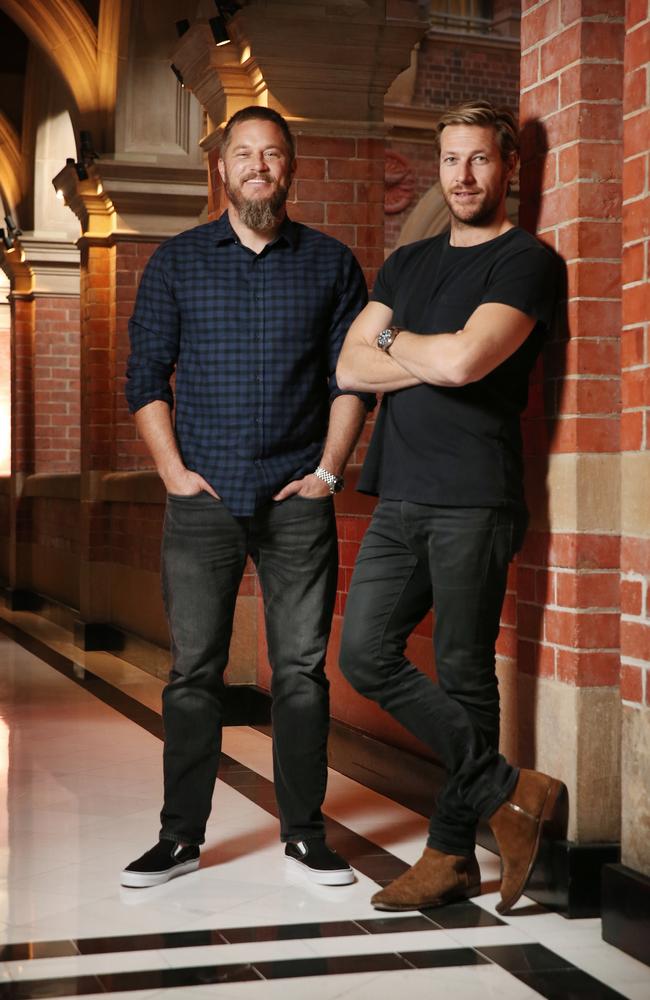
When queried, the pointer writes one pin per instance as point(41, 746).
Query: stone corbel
point(87, 199)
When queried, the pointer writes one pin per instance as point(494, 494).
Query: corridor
point(80, 752)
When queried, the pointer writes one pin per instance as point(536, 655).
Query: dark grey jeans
point(454, 558)
point(293, 544)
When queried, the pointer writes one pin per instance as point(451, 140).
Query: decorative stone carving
point(400, 183)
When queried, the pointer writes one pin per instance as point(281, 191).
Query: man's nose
point(464, 172)
point(259, 162)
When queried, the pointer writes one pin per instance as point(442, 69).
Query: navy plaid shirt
point(254, 339)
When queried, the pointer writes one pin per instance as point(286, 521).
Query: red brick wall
point(567, 583)
point(452, 71)
point(56, 385)
point(635, 360)
point(22, 427)
point(5, 402)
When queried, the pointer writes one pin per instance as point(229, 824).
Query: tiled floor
point(80, 774)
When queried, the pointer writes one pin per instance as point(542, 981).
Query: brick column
point(22, 424)
point(635, 443)
point(111, 268)
point(567, 604)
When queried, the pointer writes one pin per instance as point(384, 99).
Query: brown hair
point(484, 114)
point(257, 112)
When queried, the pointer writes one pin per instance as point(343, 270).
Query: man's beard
point(258, 214)
point(483, 213)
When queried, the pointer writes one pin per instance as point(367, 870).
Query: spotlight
point(177, 73)
point(218, 28)
point(182, 27)
point(60, 195)
point(81, 171)
point(6, 239)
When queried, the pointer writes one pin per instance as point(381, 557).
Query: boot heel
point(555, 814)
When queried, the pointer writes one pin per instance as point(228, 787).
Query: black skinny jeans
point(293, 544)
point(454, 558)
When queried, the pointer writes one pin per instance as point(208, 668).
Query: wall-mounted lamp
point(219, 30)
point(12, 228)
point(86, 150)
point(6, 239)
point(177, 73)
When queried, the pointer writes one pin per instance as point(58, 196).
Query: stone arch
point(11, 167)
point(63, 30)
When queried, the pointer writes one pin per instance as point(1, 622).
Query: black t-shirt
point(459, 446)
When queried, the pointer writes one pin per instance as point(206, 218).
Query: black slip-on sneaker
point(319, 863)
point(164, 861)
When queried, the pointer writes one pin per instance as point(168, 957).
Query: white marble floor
point(81, 787)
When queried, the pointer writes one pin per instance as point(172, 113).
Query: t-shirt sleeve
point(386, 282)
point(526, 280)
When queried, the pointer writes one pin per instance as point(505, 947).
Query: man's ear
point(512, 164)
point(222, 169)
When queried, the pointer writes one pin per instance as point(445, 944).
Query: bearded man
point(250, 311)
point(453, 330)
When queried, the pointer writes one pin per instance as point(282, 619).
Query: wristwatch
point(386, 338)
point(335, 483)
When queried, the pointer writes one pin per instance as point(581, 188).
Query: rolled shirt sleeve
point(154, 333)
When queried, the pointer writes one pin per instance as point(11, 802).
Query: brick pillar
point(567, 577)
point(22, 424)
point(56, 384)
point(635, 444)
point(111, 268)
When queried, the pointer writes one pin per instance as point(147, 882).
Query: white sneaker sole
point(144, 880)
point(340, 876)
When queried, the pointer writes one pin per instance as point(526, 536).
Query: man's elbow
point(345, 377)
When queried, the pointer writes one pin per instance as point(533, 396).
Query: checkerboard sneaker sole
point(318, 863)
point(165, 861)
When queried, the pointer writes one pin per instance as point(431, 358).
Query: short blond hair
point(484, 114)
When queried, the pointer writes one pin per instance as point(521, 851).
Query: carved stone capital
point(327, 61)
point(54, 265)
point(124, 199)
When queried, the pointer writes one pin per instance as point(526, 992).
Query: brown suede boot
point(434, 880)
point(538, 802)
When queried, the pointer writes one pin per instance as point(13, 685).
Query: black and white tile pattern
point(80, 775)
